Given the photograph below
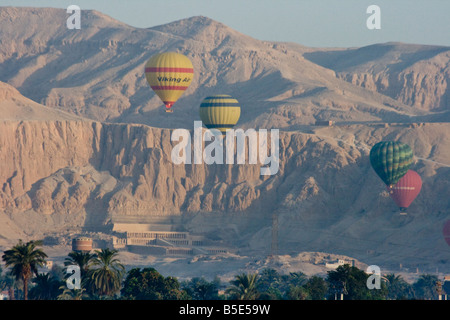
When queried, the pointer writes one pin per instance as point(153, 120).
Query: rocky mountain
point(415, 75)
point(66, 174)
point(83, 139)
point(14, 106)
point(97, 72)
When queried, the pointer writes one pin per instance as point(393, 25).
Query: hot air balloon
point(169, 74)
point(391, 160)
point(446, 232)
point(406, 190)
point(220, 112)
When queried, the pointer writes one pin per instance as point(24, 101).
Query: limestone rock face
point(415, 75)
point(86, 172)
point(83, 139)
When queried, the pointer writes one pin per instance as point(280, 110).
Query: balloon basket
point(169, 110)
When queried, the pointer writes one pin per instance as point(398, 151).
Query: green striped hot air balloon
point(220, 112)
point(391, 160)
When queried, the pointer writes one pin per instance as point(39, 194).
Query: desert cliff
point(90, 144)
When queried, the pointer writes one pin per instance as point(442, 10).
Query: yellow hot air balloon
point(169, 74)
point(220, 112)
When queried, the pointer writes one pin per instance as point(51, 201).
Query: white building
point(339, 262)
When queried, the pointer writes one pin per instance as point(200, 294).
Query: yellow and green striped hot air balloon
point(220, 112)
point(169, 74)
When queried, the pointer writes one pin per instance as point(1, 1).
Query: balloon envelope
point(391, 160)
point(406, 189)
point(169, 74)
point(220, 112)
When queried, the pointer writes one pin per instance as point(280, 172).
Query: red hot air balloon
point(446, 232)
point(406, 190)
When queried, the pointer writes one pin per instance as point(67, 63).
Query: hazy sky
point(317, 23)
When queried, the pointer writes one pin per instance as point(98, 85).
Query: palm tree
point(398, 288)
point(46, 288)
point(297, 278)
point(244, 287)
point(105, 273)
point(72, 294)
point(11, 284)
point(25, 259)
point(297, 293)
point(425, 287)
point(81, 259)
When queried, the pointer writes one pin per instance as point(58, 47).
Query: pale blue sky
point(316, 23)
